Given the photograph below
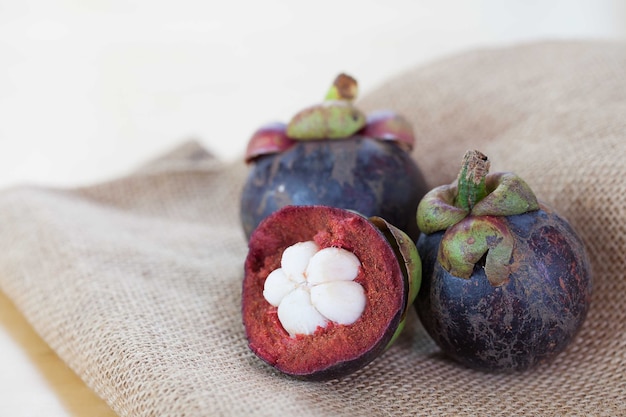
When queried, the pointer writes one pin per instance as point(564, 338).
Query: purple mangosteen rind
point(526, 320)
point(387, 274)
point(372, 177)
point(506, 281)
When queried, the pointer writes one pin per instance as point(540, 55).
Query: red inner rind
point(380, 277)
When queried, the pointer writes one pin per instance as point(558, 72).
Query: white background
point(90, 89)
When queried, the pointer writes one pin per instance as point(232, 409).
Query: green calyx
point(465, 243)
point(335, 118)
point(471, 211)
point(410, 264)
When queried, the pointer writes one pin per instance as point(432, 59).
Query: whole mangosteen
point(326, 290)
point(506, 280)
point(333, 154)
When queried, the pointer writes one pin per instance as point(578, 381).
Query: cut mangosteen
point(333, 154)
point(506, 280)
point(326, 290)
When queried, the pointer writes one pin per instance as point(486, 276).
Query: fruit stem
point(344, 87)
point(472, 186)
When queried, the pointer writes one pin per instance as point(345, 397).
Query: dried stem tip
point(344, 88)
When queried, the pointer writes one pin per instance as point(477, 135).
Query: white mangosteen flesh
point(314, 287)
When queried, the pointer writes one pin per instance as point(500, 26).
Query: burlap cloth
point(135, 283)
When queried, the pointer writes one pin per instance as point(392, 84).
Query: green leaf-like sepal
point(410, 264)
point(465, 243)
point(508, 195)
point(471, 211)
point(436, 211)
point(335, 119)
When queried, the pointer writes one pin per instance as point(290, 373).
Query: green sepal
point(335, 119)
point(465, 243)
point(410, 264)
point(397, 333)
point(436, 211)
point(508, 195)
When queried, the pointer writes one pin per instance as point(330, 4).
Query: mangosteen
point(506, 280)
point(326, 290)
point(335, 155)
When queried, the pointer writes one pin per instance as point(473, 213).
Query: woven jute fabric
point(136, 282)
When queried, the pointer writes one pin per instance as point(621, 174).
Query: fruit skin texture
point(373, 177)
point(336, 350)
point(522, 323)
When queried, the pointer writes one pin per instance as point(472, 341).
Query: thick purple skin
point(522, 323)
point(372, 177)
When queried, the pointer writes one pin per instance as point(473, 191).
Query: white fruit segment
point(314, 287)
point(296, 258)
point(332, 264)
point(277, 286)
point(298, 315)
point(339, 301)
